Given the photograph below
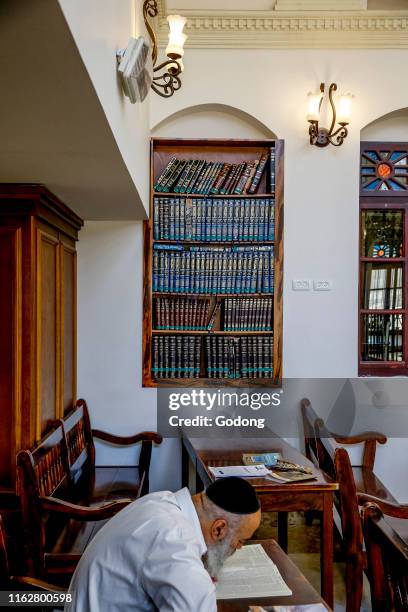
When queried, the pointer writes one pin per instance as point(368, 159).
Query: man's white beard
point(216, 555)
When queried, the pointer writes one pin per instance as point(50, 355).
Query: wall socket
point(301, 285)
point(322, 285)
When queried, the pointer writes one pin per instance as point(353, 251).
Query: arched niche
point(390, 127)
point(212, 121)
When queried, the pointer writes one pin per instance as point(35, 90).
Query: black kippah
point(234, 495)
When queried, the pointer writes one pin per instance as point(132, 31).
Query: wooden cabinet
point(38, 234)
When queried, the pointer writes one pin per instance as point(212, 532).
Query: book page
point(244, 471)
point(249, 572)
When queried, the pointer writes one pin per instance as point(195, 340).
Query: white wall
point(321, 227)
point(100, 28)
point(321, 185)
point(110, 345)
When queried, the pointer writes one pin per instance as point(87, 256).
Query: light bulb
point(313, 113)
point(344, 110)
point(177, 39)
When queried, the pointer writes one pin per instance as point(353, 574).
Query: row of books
point(245, 357)
point(210, 270)
point(198, 176)
point(244, 314)
point(176, 356)
point(180, 357)
point(213, 219)
point(182, 313)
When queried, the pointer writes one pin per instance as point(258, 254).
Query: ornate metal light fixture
point(168, 82)
point(320, 136)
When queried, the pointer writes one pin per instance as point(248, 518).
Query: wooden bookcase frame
point(161, 150)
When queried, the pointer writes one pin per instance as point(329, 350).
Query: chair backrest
point(79, 440)
point(42, 472)
point(309, 418)
point(349, 511)
point(387, 559)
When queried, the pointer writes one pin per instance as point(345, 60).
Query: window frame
point(383, 201)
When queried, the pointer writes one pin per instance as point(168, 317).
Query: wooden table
point(200, 453)
point(302, 590)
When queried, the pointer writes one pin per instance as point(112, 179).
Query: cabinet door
point(48, 330)
point(68, 319)
point(10, 351)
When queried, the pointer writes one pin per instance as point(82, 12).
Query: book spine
point(225, 188)
point(189, 176)
point(182, 176)
point(198, 189)
point(272, 171)
point(200, 166)
point(258, 174)
point(243, 179)
point(222, 175)
point(171, 176)
point(165, 174)
point(172, 211)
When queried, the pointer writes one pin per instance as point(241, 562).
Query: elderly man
point(164, 551)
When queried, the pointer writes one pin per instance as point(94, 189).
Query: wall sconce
point(168, 82)
point(320, 136)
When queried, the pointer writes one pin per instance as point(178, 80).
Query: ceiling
point(53, 128)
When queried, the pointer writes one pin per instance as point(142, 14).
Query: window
point(383, 338)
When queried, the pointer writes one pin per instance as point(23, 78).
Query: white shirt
point(147, 557)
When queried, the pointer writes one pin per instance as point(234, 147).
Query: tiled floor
point(304, 550)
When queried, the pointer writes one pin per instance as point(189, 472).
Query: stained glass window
point(384, 170)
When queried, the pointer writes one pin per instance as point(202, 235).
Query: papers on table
point(243, 471)
point(248, 573)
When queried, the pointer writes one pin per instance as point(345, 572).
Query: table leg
point(283, 530)
point(326, 549)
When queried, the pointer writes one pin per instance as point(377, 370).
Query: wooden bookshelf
point(234, 152)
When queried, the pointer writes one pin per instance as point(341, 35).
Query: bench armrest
point(144, 436)
point(38, 584)
point(85, 513)
point(394, 510)
point(365, 436)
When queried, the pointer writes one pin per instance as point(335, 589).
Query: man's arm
point(174, 576)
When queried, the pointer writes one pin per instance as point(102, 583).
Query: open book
point(249, 572)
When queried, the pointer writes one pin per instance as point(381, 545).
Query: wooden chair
point(348, 503)
point(57, 529)
point(320, 445)
point(315, 430)
point(19, 583)
point(103, 483)
point(387, 559)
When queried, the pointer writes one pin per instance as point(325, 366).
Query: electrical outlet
point(301, 285)
point(322, 285)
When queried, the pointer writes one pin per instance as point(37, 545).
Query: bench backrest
point(387, 559)
point(79, 440)
point(42, 472)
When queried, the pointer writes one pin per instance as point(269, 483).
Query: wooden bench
point(103, 483)
point(387, 559)
point(65, 499)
